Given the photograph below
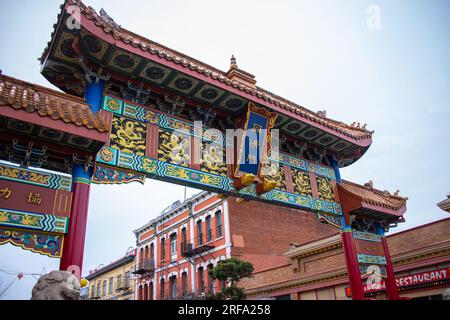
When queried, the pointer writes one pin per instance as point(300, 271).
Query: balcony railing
point(145, 266)
point(123, 287)
point(188, 250)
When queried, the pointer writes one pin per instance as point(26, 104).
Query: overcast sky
point(319, 54)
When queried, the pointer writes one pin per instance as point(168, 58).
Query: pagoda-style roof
point(445, 204)
point(100, 45)
point(45, 128)
point(367, 201)
point(45, 102)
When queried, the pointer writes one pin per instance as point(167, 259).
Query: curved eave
point(356, 203)
point(209, 75)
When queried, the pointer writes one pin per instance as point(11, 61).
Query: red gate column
point(354, 275)
point(73, 248)
point(348, 244)
point(391, 285)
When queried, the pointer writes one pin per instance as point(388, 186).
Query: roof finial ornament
point(369, 184)
point(322, 113)
point(108, 19)
point(233, 64)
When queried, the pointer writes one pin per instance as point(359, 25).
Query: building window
point(151, 291)
point(92, 291)
point(199, 233)
point(146, 253)
point(111, 283)
point(140, 293)
point(127, 279)
point(119, 281)
point(152, 251)
point(173, 287)
point(145, 292)
point(184, 283)
point(208, 229)
point(211, 280)
point(98, 289)
point(219, 224)
point(141, 256)
point(201, 280)
point(104, 288)
point(173, 244)
point(183, 235)
point(163, 249)
point(162, 289)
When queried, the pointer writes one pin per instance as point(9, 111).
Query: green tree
point(231, 270)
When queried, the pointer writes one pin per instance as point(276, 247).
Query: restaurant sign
point(410, 280)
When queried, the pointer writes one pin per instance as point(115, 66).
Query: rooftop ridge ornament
point(240, 76)
point(108, 19)
point(233, 64)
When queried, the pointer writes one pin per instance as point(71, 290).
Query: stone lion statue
point(57, 285)
point(446, 294)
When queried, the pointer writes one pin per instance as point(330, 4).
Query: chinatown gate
point(151, 112)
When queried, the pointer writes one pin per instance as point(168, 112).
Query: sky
point(384, 63)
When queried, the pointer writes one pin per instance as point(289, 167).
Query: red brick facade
point(251, 231)
point(261, 232)
point(317, 270)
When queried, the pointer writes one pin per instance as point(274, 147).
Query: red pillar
point(73, 247)
point(354, 275)
point(391, 285)
point(348, 244)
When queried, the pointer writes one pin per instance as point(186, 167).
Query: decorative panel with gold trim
point(325, 188)
point(128, 135)
point(34, 209)
point(213, 158)
point(185, 154)
point(301, 182)
point(174, 147)
point(276, 173)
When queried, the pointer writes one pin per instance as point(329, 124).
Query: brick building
point(316, 270)
point(113, 281)
point(175, 250)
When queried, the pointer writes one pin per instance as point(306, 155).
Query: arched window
point(163, 249)
point(183, 235)
point(140, 293)
point(150, 293)
point(219, 231)
point(184, 283)
point(201, 280)
point(152, 251)
point(162, 289)
point(199, 233)
point(141, 256)
point(145, 292)
point(210, 280)
point(173, 287)
point(208, 229)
